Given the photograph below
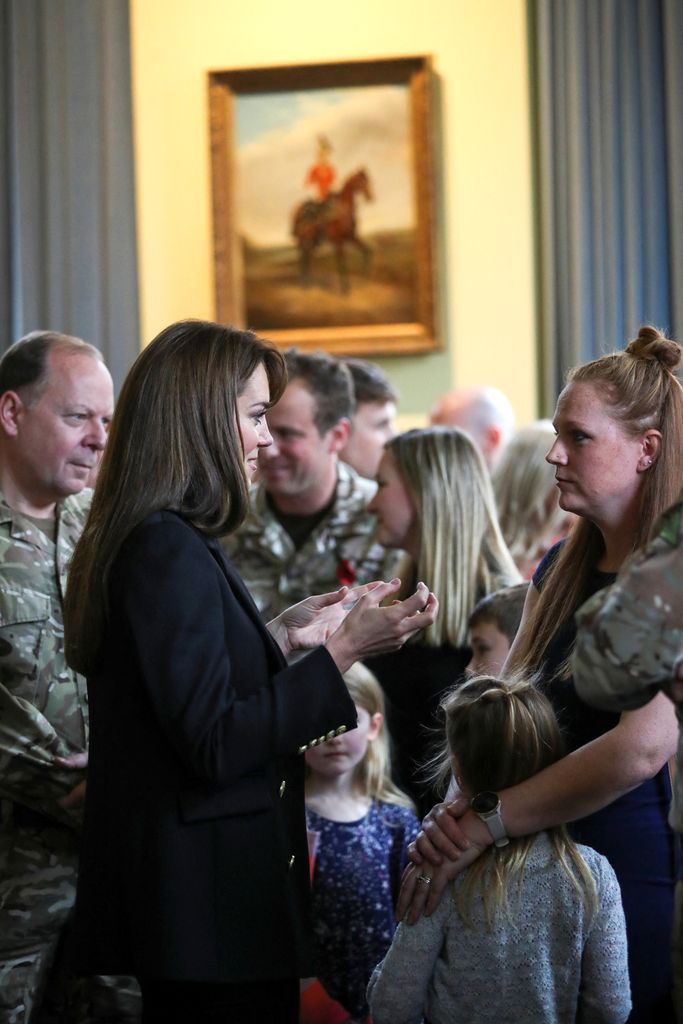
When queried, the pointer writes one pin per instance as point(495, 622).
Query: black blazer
point(194, 863)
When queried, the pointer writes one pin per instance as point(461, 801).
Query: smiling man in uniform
point(308, 530)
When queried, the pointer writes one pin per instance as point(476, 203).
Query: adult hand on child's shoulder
point(442, 835)
point(442, 850)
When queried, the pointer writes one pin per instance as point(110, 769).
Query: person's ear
point(651, 447)
point(11, 411)
point(338, 435)
point(491, 440)
point(375, 725)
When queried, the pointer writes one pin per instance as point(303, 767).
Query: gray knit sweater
point(550, 966)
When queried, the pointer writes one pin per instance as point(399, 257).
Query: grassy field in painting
point(277, 298)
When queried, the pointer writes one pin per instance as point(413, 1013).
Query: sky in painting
point(275, 142)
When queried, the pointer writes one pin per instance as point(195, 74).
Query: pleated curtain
point(607, 107)
point(67, 220)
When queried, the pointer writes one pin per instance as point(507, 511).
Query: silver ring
point(424, 878)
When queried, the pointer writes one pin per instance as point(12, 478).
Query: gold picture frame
point(323, 204)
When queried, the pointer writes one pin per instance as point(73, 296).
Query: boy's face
point(489, 649)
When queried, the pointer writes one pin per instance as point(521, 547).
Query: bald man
point(56, 401)
point(484, 412)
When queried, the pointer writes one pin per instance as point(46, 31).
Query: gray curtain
point(607, 102)
point(67, 226)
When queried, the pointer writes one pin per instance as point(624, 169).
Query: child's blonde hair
point(374, 776)
point(501, 732)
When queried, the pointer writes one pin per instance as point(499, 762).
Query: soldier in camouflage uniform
point(56, 399)
point(308, 530)
point(629, 646)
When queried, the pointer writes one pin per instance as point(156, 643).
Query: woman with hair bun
point(618, 458)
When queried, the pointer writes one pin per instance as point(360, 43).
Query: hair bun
point(496, 690)
point(651, 344)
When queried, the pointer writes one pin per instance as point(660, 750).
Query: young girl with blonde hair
point(534, 929)
point(362, 825)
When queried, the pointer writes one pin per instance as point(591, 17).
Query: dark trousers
point(196, 1002)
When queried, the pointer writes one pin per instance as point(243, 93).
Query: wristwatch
point(487, 806)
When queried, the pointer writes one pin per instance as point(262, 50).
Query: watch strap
point(494, 824)
point(491, 818)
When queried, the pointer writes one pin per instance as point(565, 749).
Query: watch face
point(484, 803)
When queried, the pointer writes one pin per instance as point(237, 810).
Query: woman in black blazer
point(194, 866)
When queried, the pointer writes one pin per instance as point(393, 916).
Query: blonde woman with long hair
point(362, 824)
point(435, 502)
point(618, 460)
point(534, 929)
point(530, 516)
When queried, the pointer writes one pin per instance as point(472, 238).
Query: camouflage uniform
point(341, 548)
point(629, 642)
point(43, 714)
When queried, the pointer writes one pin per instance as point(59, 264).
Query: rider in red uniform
point(322, 174)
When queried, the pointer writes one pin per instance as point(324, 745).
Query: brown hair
point(641, 392)
point(328, 380)
point(503, 608)
point(370, 383)
point(500, 733)
point(174, 444)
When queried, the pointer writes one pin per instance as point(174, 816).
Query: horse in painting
point(333, 221)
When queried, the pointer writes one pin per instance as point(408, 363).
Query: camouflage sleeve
point(28, 772)
point(630, 635)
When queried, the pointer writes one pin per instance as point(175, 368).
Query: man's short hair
point(370, 383)
point(504, 608)
point(328, 380)
point(24, 366)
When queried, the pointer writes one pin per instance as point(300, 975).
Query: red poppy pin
point(346, 574)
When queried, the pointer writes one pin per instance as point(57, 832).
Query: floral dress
point(356, 877)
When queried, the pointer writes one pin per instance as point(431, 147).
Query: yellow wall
point(485, 214)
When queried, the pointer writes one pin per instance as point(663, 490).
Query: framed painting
point(322, 185)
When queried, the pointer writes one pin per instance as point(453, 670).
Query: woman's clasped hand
point(364, 626)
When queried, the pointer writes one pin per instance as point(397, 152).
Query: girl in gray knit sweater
point(534, 930)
